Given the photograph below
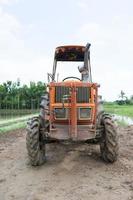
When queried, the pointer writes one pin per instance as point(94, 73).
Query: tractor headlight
point(60, 113)
point(84, 113)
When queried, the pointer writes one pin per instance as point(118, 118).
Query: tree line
point(13, 95)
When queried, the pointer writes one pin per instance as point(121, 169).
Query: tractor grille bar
point(83, 94)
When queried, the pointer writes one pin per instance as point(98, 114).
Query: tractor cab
point(76, 54)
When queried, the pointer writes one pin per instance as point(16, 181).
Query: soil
point(70, 172)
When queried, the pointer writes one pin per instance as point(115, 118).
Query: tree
point(122, 95)
point(13, 95)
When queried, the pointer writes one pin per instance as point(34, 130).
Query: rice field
point(15, 119)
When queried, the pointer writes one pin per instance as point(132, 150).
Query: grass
point(15, 119)
point(13, 112)
point(12, 127)
point(124, 110)
point(15, 123)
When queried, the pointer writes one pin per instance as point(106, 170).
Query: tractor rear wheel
point(34, 142)
point(109, 142)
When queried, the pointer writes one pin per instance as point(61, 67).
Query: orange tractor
point(71, 110)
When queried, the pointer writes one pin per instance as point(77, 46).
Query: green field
point(11, 124)
point(123, 110)
point(13, 113)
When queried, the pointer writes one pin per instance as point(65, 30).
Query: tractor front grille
point(83, 94)
point(60, 91)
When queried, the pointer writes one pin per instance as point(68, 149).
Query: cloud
point(34, 68)
point(111, 55)
point(7, 2)
point(10, 35)
point(8, 23)
point(4, 1)
point(82, 4)
point(16, 58)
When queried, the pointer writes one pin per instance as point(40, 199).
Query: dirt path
point(69, 174)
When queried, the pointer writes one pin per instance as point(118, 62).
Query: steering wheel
point(71, 77)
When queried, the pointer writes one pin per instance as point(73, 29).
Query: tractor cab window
point(67, 69)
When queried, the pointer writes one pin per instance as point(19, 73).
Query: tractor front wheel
point(109, 142)
point(34, 142)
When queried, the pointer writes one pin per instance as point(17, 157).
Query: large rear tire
point(34, 142)
point(109, 142)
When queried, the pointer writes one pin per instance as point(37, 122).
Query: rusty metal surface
point(70, 53)
point(85, 132)
point(73, 48)
point(61, 132)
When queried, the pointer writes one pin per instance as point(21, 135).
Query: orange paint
point(73, 106)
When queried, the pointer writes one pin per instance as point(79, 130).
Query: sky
point(31, 29)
